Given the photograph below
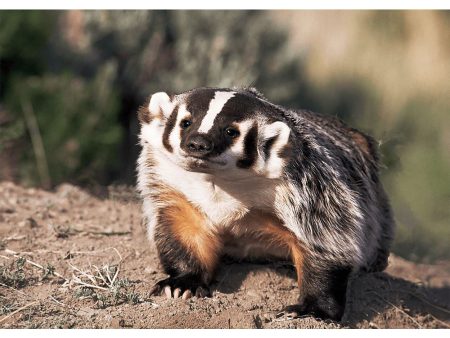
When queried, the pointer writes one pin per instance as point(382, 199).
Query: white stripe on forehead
point(215, 107)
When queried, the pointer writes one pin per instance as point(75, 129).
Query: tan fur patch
point(190, 228)
point(272, 230)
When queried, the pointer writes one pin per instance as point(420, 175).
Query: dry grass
point(104, 278)
point(102, 284)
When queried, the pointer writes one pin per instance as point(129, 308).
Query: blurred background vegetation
point(71, 82)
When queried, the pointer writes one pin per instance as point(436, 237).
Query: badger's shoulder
point(334, 132)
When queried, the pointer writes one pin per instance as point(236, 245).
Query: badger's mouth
point(200, 163)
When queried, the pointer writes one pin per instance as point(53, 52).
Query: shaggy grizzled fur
point(314, 178)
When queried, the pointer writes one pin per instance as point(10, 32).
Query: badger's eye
point(185, 123)
point(231, 132)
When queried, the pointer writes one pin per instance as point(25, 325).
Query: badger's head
point(224, 132)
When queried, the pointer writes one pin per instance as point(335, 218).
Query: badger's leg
point(322, 284)
point(188, 249)
point(380, 261)
point(323, 289)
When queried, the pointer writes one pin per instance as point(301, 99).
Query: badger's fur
point(224, 171)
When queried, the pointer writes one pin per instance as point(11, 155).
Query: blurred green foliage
point(71, 82)
point(23, 37)
point(81, 134)
point(420, 186)
point(76, 116)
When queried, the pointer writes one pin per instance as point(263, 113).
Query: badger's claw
point(176, 293)
point(174, 287)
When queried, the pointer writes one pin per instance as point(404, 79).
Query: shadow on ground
point(370, 295)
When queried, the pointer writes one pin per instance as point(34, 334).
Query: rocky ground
point(72, 260)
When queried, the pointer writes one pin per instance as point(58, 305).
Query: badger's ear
point(159, 106)
point(277, 129)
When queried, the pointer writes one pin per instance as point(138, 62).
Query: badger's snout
point(199, 145)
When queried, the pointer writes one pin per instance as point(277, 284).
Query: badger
point(225, 172)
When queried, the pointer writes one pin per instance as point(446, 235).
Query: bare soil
point(52, 242)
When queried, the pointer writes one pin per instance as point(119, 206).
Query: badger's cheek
point(174, 156)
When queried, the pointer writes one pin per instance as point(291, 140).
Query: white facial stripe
point(215, 107)
point(174, 137)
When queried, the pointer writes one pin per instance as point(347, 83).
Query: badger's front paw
point(325, 307)
point(184, 286)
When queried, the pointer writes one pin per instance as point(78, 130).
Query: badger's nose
point(199, 145)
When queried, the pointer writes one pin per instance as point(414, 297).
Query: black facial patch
point(169, 126)
point(197, 102)
point(250, 151)
point(238, 108)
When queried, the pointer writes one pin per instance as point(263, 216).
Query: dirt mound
point(71, 260)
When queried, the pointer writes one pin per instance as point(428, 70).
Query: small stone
point(115, 323)
point(32, 222)
point(7, 210)
point(28, 223)
point(267, 319)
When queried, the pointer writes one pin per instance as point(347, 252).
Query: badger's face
point(216, 131)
